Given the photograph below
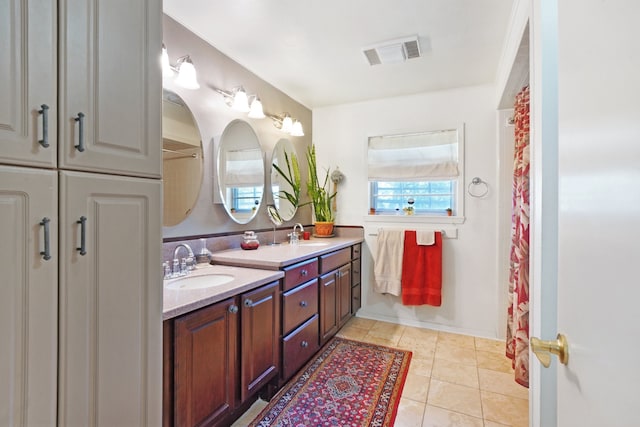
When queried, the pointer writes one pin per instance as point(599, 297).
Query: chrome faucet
point(293, 236)
point(182, 266)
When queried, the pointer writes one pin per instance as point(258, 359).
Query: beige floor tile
point(501, 382)
point(454, 353)
point(465, 341)
point(494, 424)
point(409, 413)
point(454, 397)
point(494, 361)
point(420, 366)
point(451, 372)
point(361, 322)
point(505, 409)
point(352, 332)
point(390, 331)
point(485, 344)
point(391, 341)
point(416, 387)
point(439, 417)
point(423, 350)
point(251, 413)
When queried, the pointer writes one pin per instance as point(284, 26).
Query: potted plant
point(292, 177)
point(320, 196)
point(449, 211)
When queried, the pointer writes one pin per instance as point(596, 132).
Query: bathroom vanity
point(226, 343)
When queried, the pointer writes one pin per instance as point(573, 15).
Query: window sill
point(421, 219)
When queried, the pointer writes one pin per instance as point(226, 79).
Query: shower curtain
point(517, 346)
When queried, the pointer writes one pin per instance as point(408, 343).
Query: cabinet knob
point(303, 272)
point(233, 309)
point(303, 303)
point(304, 344)
point(248, 303)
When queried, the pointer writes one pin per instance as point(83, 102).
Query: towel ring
point(478, 181)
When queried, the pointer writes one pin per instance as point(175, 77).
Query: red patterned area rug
point(348, 383)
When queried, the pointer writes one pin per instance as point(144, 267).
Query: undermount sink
point(199, 282)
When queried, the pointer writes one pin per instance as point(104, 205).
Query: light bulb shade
point(187, 75)
point(240, 100)
point(287, 124)
point(167, 71)
point(296, 129)
point(256, 111)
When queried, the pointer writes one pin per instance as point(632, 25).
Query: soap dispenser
point(204, 256)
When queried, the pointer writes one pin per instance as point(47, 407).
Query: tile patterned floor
point(454, 380)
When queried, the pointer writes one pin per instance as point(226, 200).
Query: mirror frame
point(172, 190)
point(233, 127)
point(283, 144)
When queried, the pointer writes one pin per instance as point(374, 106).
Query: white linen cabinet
point(83, 328)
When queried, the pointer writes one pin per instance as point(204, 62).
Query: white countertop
point(178, 302)
point(278, 256)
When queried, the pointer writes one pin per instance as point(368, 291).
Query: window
point(419, 172)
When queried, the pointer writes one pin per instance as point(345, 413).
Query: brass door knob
point(544, 349)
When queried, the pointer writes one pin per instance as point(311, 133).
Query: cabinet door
point(328, 306)
point(28, 297)
point(110, 301)
point(110, 86)
point(260, 338)
point(28, 43)
point(205, 364)
point(344, 294)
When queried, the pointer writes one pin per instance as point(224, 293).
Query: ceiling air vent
point(393, 51)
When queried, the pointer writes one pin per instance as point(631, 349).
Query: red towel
point(421, 271)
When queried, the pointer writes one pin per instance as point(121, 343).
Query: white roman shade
point(414, 157)
point(244, 168)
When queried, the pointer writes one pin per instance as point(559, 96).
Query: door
point(110, 368)
point(344, 294)
point(260, 335)
point(598, 211)
point(109, 85)
point(205, 367)
point(328, 306)
point(28, 296)
point(28, 59)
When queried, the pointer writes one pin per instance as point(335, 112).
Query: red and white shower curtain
point(518, 311)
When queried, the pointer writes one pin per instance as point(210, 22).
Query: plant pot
point(323, 228)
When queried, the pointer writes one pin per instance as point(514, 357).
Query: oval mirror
point(280, 187)
point(240, 165)
point(182, 159)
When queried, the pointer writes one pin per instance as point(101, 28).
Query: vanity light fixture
point(187, 77)
point(239, 101)
point(287, 124)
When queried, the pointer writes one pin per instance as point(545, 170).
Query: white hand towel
point(388, 262)
point(425, 237)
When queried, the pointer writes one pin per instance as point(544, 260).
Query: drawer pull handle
point(80, 120)
point(45, 125)
point(248, 303)
point(303, 273)
point(304, 344)
point(46, 254)
point(233, 309)
point(303, 303)
point(356, 298)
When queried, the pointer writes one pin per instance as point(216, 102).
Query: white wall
point(470, 286)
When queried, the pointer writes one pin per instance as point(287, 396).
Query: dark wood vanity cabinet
point(335, 292)
point(356, 279)
point(202, 371)
point(218, 357)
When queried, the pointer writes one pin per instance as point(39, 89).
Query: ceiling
point(312, 49)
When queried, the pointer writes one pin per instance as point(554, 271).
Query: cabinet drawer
point(298, 305)
point(355, 251)
point(355, 272)
point(334, 260)
point(299, 346)
point(300, 273)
